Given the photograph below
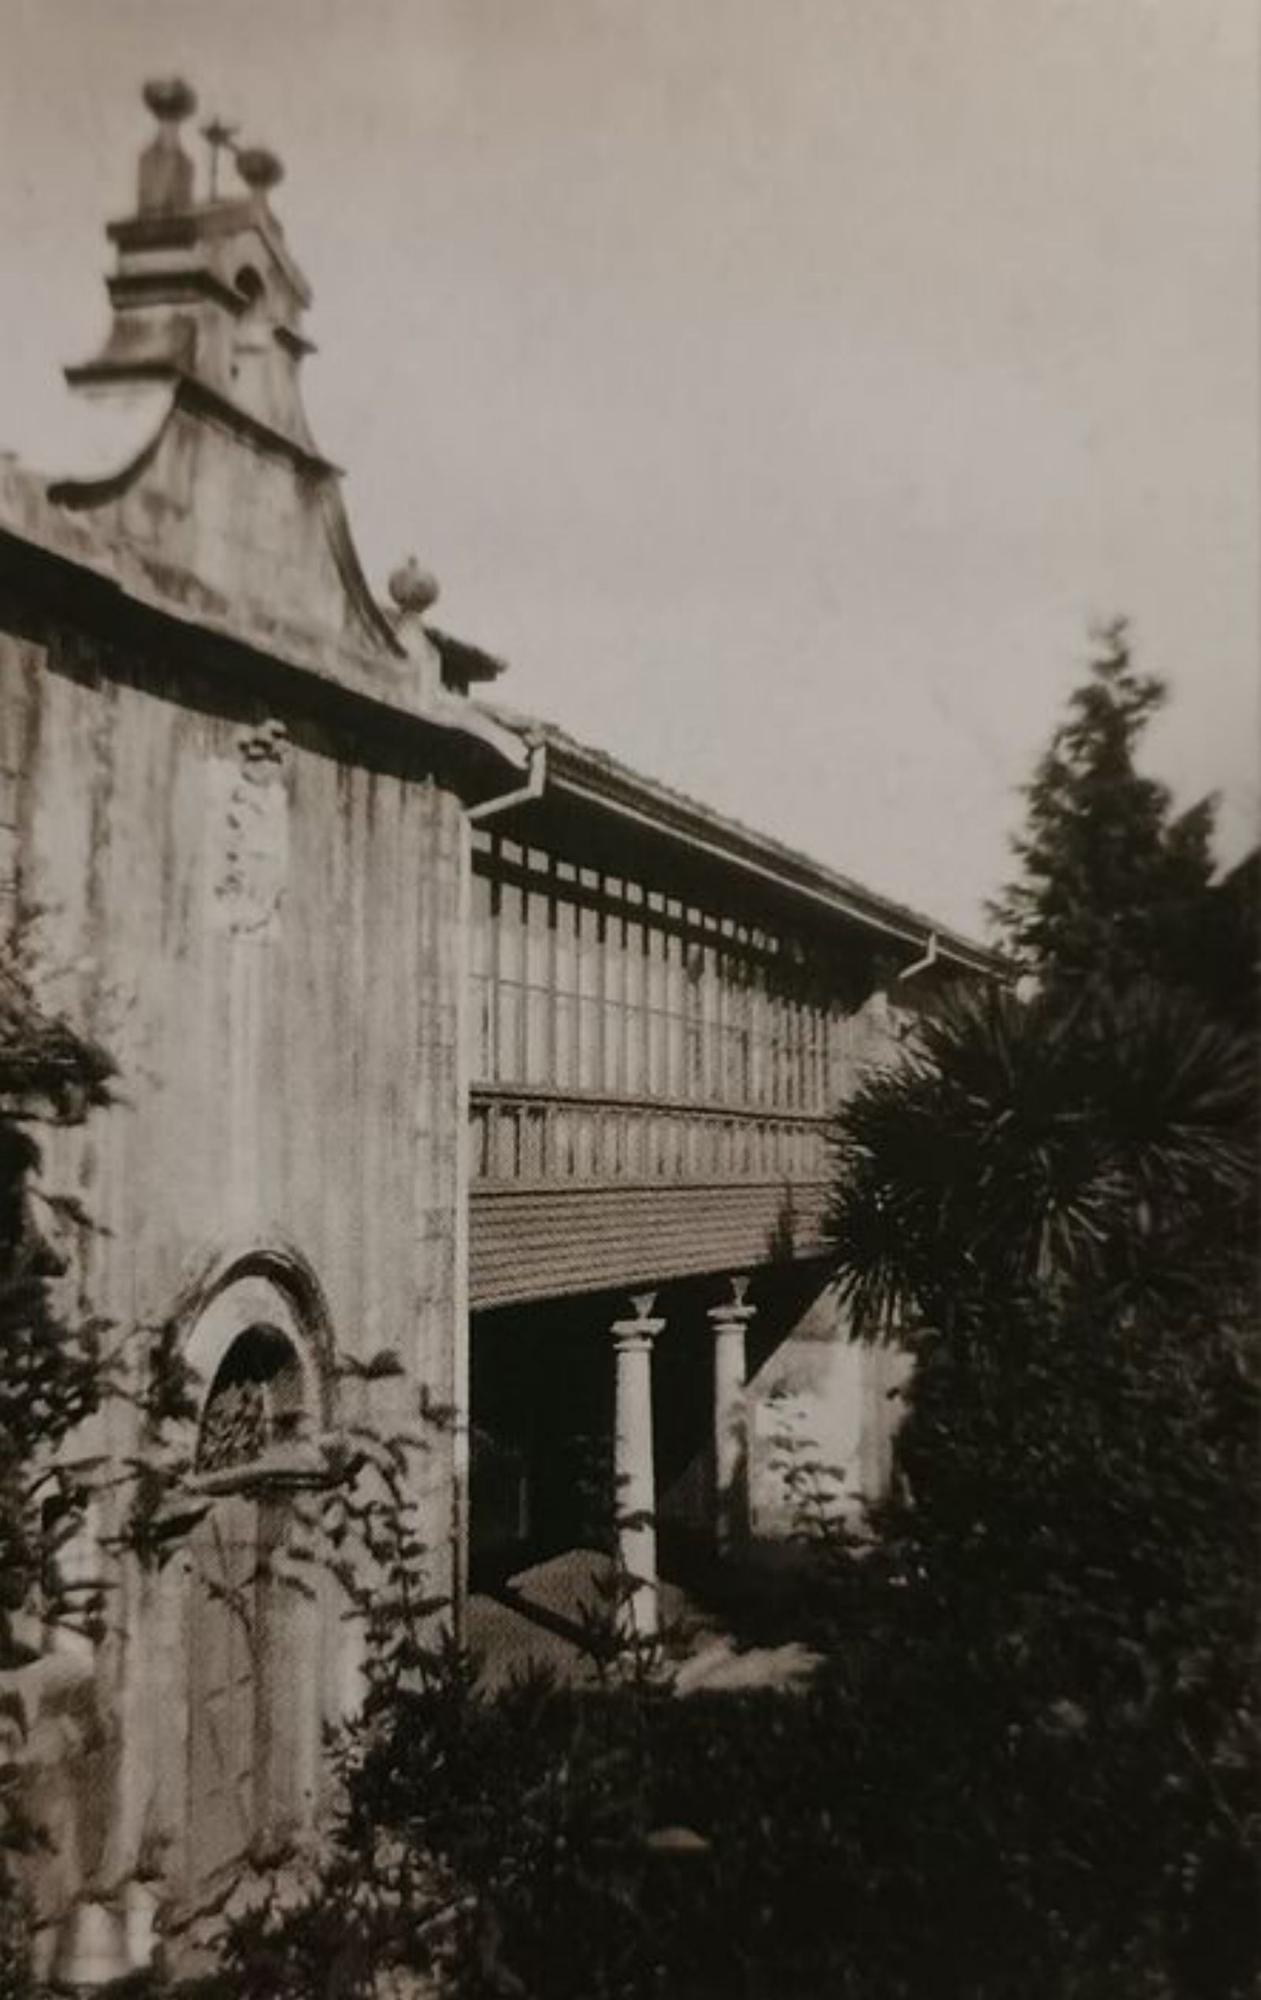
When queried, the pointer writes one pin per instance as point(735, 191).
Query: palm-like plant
point(1106, 1141)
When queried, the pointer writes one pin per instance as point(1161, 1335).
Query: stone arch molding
point(250, 1660)
point(269, 1289)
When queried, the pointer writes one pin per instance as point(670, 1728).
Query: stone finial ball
point(413, 588)
point(259, 168)
point(170, 98)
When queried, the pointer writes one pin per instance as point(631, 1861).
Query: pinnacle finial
point(170, 99)
point(166, 172)
point(260, 169)
point(413, 587)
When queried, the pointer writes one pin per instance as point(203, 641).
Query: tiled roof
point(527, 1243)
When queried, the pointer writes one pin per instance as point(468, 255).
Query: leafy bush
point(53, 1374)
point(1063, 1599)
point(549, 1842)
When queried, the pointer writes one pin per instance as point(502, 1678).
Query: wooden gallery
point(439, 1038)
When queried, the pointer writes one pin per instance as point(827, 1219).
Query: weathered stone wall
point(263, 933)
point(256, 912)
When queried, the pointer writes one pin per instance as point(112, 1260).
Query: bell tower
point(206, 291)
point(194, 453)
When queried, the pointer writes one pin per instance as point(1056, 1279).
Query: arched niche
point(257, 1343)
point(261, 1319)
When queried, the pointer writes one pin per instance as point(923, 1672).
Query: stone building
point(441, 1038)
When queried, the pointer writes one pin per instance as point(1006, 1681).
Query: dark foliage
point(1104, 1139)
point(579, 1846)
point(43, 1060)
point(1054, 1205)
point(52, 1376)
point(1116, 887)
point(1063, 1599)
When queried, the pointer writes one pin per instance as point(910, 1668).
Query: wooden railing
point(533, 1135)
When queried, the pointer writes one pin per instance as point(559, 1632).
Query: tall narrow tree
point(1114, 885)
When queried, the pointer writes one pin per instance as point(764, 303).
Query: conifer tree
point(1115, 886)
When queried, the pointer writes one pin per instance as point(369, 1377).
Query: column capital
point(643, 1329)
point(734, 1313)
point(632, 1333)
point(730, 1317)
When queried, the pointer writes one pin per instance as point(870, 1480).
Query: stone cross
point(218, 138)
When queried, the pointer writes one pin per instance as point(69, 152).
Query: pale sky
point(782, 386)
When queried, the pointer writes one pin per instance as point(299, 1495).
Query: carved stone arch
point(268, 1288)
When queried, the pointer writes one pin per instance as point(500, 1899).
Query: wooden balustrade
point(547, 1137)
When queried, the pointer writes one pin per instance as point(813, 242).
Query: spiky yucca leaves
point(1107, 1141)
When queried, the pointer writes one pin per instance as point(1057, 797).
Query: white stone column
point(635, 1496)
point(729, 1322)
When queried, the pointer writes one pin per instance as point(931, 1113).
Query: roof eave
point(596, 780)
